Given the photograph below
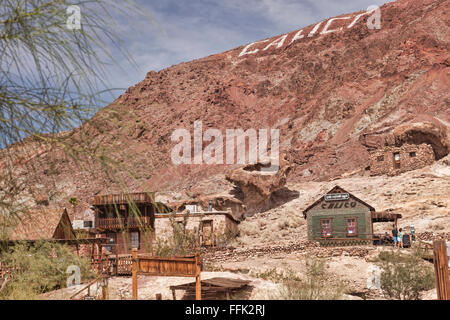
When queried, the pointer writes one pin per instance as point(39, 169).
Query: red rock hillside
point(335, 91)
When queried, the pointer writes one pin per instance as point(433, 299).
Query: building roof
point(124, 198)
point(42, 224)
point(337, 189)
point(216, 284)
point(385, 216)
point(197, 214)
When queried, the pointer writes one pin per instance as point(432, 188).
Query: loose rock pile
point(306, 248)
point(432, 236)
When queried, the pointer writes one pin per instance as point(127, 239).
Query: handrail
point(140, 197)
point(123, 222)
point(88, 286)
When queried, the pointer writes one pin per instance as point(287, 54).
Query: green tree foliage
point(182, 242)
point(52, 80)
point(40, 268)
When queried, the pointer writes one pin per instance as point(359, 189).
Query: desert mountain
point(335, 90)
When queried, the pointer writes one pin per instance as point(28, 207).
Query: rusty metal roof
point(217, 283)
point(385, 216)
point(40, 224)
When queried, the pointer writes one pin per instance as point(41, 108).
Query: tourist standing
point(395, 235)
point(413, 234)
point(400, 238)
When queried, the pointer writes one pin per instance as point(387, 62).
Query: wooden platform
point(212, 289)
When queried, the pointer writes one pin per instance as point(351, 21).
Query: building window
point(134, 239)
point(87, 224)
point(397, 160)
point(325, 228)
point(352, 227)
point(412, 154)
point(111, 244)
point(380, 158)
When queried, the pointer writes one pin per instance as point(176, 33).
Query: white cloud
point(198, 28)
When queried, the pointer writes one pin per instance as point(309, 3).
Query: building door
point(111, 244)
point(134, 239)
point(207, 233)
point(397, 160)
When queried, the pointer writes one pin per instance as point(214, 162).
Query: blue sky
point(193, 29)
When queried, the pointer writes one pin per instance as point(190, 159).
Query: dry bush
point(283, 224)
point(183, 241)
point(404, 276)
point(248, 228)
point(313, 286)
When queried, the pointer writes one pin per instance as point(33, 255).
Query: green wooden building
point(340, 218)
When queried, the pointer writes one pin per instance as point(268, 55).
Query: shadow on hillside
point(282, 196)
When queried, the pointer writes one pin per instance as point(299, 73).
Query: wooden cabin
point(340, 218)
point(127, 221)
point(44, 224)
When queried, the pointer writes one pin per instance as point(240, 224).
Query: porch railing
point(119, 223)
point(141, 197)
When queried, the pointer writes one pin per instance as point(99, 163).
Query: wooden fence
point(120, 223)
point(4, 271)
point(116, 265)
point(169, 267)
point(140, 197)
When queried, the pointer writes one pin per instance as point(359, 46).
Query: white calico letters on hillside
point(373, 22)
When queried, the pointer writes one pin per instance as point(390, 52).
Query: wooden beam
point(174, 295)
point(134, 274)
point(441, 270)
point(198, 282)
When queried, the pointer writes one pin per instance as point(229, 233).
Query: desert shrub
point(248, 228)
point(278, 276)
point(40, 268)
point(403, 276)
point(74, 201)
point(313, 286)
point(262, 224)
point(182, 242)
point(226, 238)
point(284, 224)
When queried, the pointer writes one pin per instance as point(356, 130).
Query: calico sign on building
point(339, 216)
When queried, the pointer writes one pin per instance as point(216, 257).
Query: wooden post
point(117, 263)
point(198, 282)
point(152, 234)
point(105, 293)
point(134, 274)
point(174, 296)
point(158, 296)
point(441, 270)
point(100, 264)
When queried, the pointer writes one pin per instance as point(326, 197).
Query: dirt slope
point(331, 94)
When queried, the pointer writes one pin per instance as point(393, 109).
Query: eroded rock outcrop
point(255, 186)
point(321, 92)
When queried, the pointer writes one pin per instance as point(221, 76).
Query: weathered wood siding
point(338, 212)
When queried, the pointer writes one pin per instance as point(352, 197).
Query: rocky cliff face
point(334, 90)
